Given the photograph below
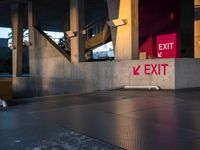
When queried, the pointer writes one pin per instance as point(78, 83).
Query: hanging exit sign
point(167, 46)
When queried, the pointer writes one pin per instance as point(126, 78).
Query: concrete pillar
point(127, 38)
point(32, 22)
point(67, 28)
point(77, 25)
point(197, 29)
point(17, 38)
point(113, 12)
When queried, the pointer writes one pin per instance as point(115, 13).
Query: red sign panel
point(148, 46)
point(167, 46)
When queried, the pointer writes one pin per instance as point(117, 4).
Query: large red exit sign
point(167, 46)
point(150, 69)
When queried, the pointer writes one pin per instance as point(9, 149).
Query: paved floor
point(107, 120)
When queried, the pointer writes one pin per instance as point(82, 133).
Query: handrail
point(92, 23)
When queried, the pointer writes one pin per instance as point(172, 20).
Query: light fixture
point(84, 32)
point(71, 34)
point(117, 22)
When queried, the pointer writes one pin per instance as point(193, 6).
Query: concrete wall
point(162, 77)
point(46, 65)
point(187, 73)
point(51, 73)
point(88, 77)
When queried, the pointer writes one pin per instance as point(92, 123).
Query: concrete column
point(113, 12)
point(77, 25)
point(17, 37)
point(32, 22)
point(197, 29)
point(127, 38)
point(67, 28)
point(33, 54)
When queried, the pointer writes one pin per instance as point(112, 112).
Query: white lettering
point(160, 47)
point(165, 46)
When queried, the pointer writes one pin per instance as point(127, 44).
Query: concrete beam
point(17, 37)
point(77, 25)
point(126, 38)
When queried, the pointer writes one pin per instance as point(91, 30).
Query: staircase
point(99, 39)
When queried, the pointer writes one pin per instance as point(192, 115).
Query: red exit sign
point(150, 69)
point(167, 46)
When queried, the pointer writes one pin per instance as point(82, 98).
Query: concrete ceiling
point(52, 13)
point(154, 15)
